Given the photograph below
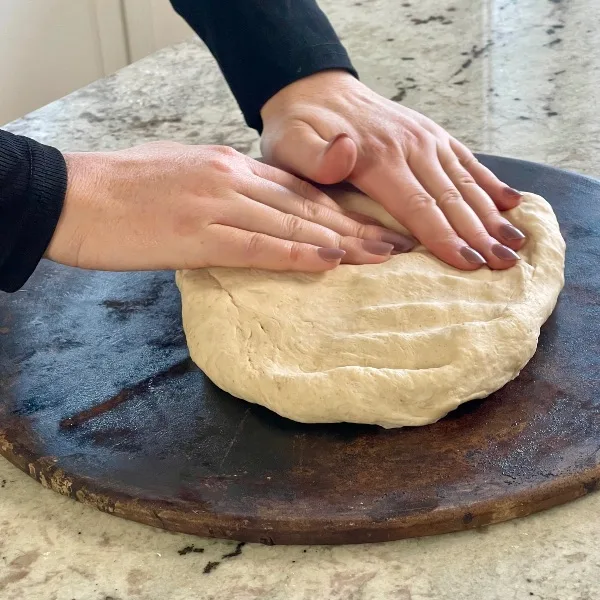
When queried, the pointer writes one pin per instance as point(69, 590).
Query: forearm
point(33, 181)
point(264, 45)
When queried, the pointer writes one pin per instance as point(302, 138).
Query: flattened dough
point(401, 343)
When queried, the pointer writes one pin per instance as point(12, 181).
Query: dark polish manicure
point(512, 192)
point(401, 243)
point(504, 253)
point(376, 247)
point(510, 232)
point(472, 256)
point(331, 254)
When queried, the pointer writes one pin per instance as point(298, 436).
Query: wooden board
point(99, 400)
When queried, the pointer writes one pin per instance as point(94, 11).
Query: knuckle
point(480, 236)
point(254, 244)
point(224, 160)
point(443, 242)
point(379, 147)
point(412, 138)
point(363, 231)
point(311, 209)
point(468, 160)
point(382, 146)
point(305, 189)
point(449, 198)
point(423, 137)
point(465, 179)
point(226, 150)
point(420, 202)
point(292, 226)
point(295, 252)
point(492, 214)
point(324, 200)
point(222, 165)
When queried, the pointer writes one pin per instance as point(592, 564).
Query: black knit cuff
point(324, 58)
point(263, 46)
point(37, 212)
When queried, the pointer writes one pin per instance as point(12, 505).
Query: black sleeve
point(264, 45)
point(33, 182)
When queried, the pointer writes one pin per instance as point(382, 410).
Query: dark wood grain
point(99, 401)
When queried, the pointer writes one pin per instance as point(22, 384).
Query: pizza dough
point(401, 343)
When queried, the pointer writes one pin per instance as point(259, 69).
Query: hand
point(329, 127)
point(170, 206)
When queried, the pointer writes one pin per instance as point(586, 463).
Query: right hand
point(169, 206)
point(330, 127)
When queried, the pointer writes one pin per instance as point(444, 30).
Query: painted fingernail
point(333, 140)
point(504, 253)
point(401, 243)
point(512, 192)
point(510, 232)
point(376, 247)
point(472, 256)
point(331, 254)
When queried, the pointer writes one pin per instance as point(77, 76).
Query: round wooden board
point(100, 401)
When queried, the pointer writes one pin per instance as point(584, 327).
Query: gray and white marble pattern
point(511, 77)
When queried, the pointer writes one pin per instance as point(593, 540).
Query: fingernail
point(376, 247)
point(339, 136)
point(504, 253)
point(401, 243)
point(472, 256)
point(512, 192)
point(510, 232)
point(331, 254)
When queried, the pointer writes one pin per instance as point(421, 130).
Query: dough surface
point(401, 343)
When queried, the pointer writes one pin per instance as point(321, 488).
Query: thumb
point(301, 150)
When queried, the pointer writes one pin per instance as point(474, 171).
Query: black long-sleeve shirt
point(33, 181)
point(261, 46)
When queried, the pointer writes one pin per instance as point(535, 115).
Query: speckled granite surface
point(512, 77)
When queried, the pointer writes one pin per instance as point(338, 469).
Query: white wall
point(153, 24)
point(49, 48)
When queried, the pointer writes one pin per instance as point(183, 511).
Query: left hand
point(330, 127)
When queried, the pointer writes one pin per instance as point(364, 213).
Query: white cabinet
point(151, 25)
point(49, 48)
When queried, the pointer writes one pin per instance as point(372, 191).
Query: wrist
point(319, 84)
point(71, 229)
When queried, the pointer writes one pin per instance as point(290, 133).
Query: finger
point(356, 216)
point(232, 247)
point(252, 214)
point(284, 200)
point(255, 215)
point(299, 186)
point(401, 194)
point(305, 189)
point(301, 150)
point(503, 196)
point(483, 206)
point(428, 170)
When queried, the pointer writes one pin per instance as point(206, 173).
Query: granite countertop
point(512, 77)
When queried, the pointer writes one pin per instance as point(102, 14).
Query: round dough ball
point(400, 343)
